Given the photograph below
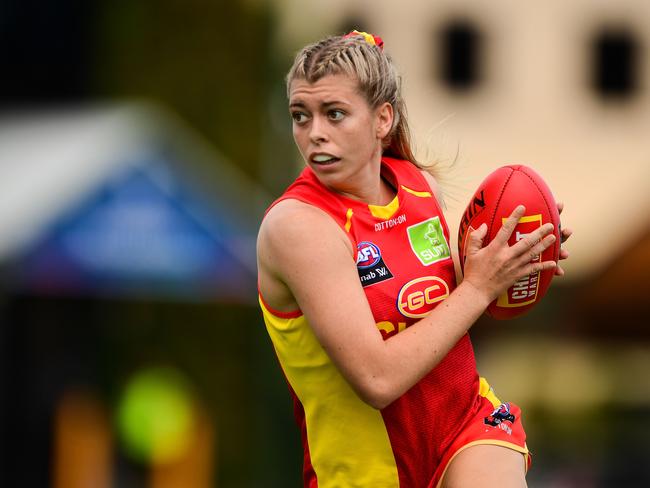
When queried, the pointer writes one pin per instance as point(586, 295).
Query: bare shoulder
point(288, 210)
point(296, 238)
point(291, 222)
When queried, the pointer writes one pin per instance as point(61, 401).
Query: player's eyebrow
point(334, 102)
point(325, 104)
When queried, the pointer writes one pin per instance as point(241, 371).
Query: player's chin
point(331, 174)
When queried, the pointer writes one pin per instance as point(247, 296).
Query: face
point(338, 134)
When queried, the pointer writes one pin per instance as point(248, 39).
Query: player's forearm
point(411, 354)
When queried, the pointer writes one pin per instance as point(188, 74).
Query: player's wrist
point(475, 294)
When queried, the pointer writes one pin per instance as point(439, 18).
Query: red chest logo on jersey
point(418, 297)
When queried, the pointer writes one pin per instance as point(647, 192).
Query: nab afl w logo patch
point(370, 264)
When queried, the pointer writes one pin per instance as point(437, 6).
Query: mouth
point(323, 159)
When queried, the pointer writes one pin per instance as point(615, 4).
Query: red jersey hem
point(283, 315)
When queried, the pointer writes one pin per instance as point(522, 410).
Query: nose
point(318, 130)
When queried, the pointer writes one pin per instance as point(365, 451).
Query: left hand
point(566, 233)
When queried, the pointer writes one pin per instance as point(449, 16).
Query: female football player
point(358, 292)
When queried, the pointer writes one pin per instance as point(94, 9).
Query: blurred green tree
point(210, 61)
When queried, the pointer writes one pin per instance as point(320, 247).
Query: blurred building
point(563, 88)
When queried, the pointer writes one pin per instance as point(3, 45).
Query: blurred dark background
point(211, 62)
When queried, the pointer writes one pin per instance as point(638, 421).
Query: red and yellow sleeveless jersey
point(406, 269)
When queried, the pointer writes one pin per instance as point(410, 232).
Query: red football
point(497, 196)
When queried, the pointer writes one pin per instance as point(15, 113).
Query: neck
point(371, 188)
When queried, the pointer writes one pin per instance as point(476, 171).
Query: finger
point(566, 233)
point(530, 240)
point(475, 240)
point(560, 207)
point(533, 252)
point(534, 268)
point(509, 225)
point(559, 271)
point(564, 254)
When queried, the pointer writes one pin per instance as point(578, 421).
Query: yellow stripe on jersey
point(421, 194)
point(485, 390)
point(347, 438)
point(384, 211)
point(348, 220)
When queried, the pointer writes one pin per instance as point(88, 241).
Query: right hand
point(494, 268)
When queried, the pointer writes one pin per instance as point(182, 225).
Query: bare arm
point(303, 253)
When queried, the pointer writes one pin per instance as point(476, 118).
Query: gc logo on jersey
point(419, 296)
point(370, 264)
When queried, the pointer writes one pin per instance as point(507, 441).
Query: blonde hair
point(375, 73)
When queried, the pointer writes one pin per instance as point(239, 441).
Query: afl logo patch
point(418, 297)
point(370, 264)
point(368, 255)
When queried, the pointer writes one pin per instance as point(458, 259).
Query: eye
point(299, 117)
point(336, 115)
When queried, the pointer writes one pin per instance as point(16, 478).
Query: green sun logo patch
point(428, 241)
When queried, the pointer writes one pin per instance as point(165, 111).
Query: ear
point(384, 114)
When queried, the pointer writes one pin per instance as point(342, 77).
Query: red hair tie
point(370, 39)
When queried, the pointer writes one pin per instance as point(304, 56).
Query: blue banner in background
point(145, 231)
